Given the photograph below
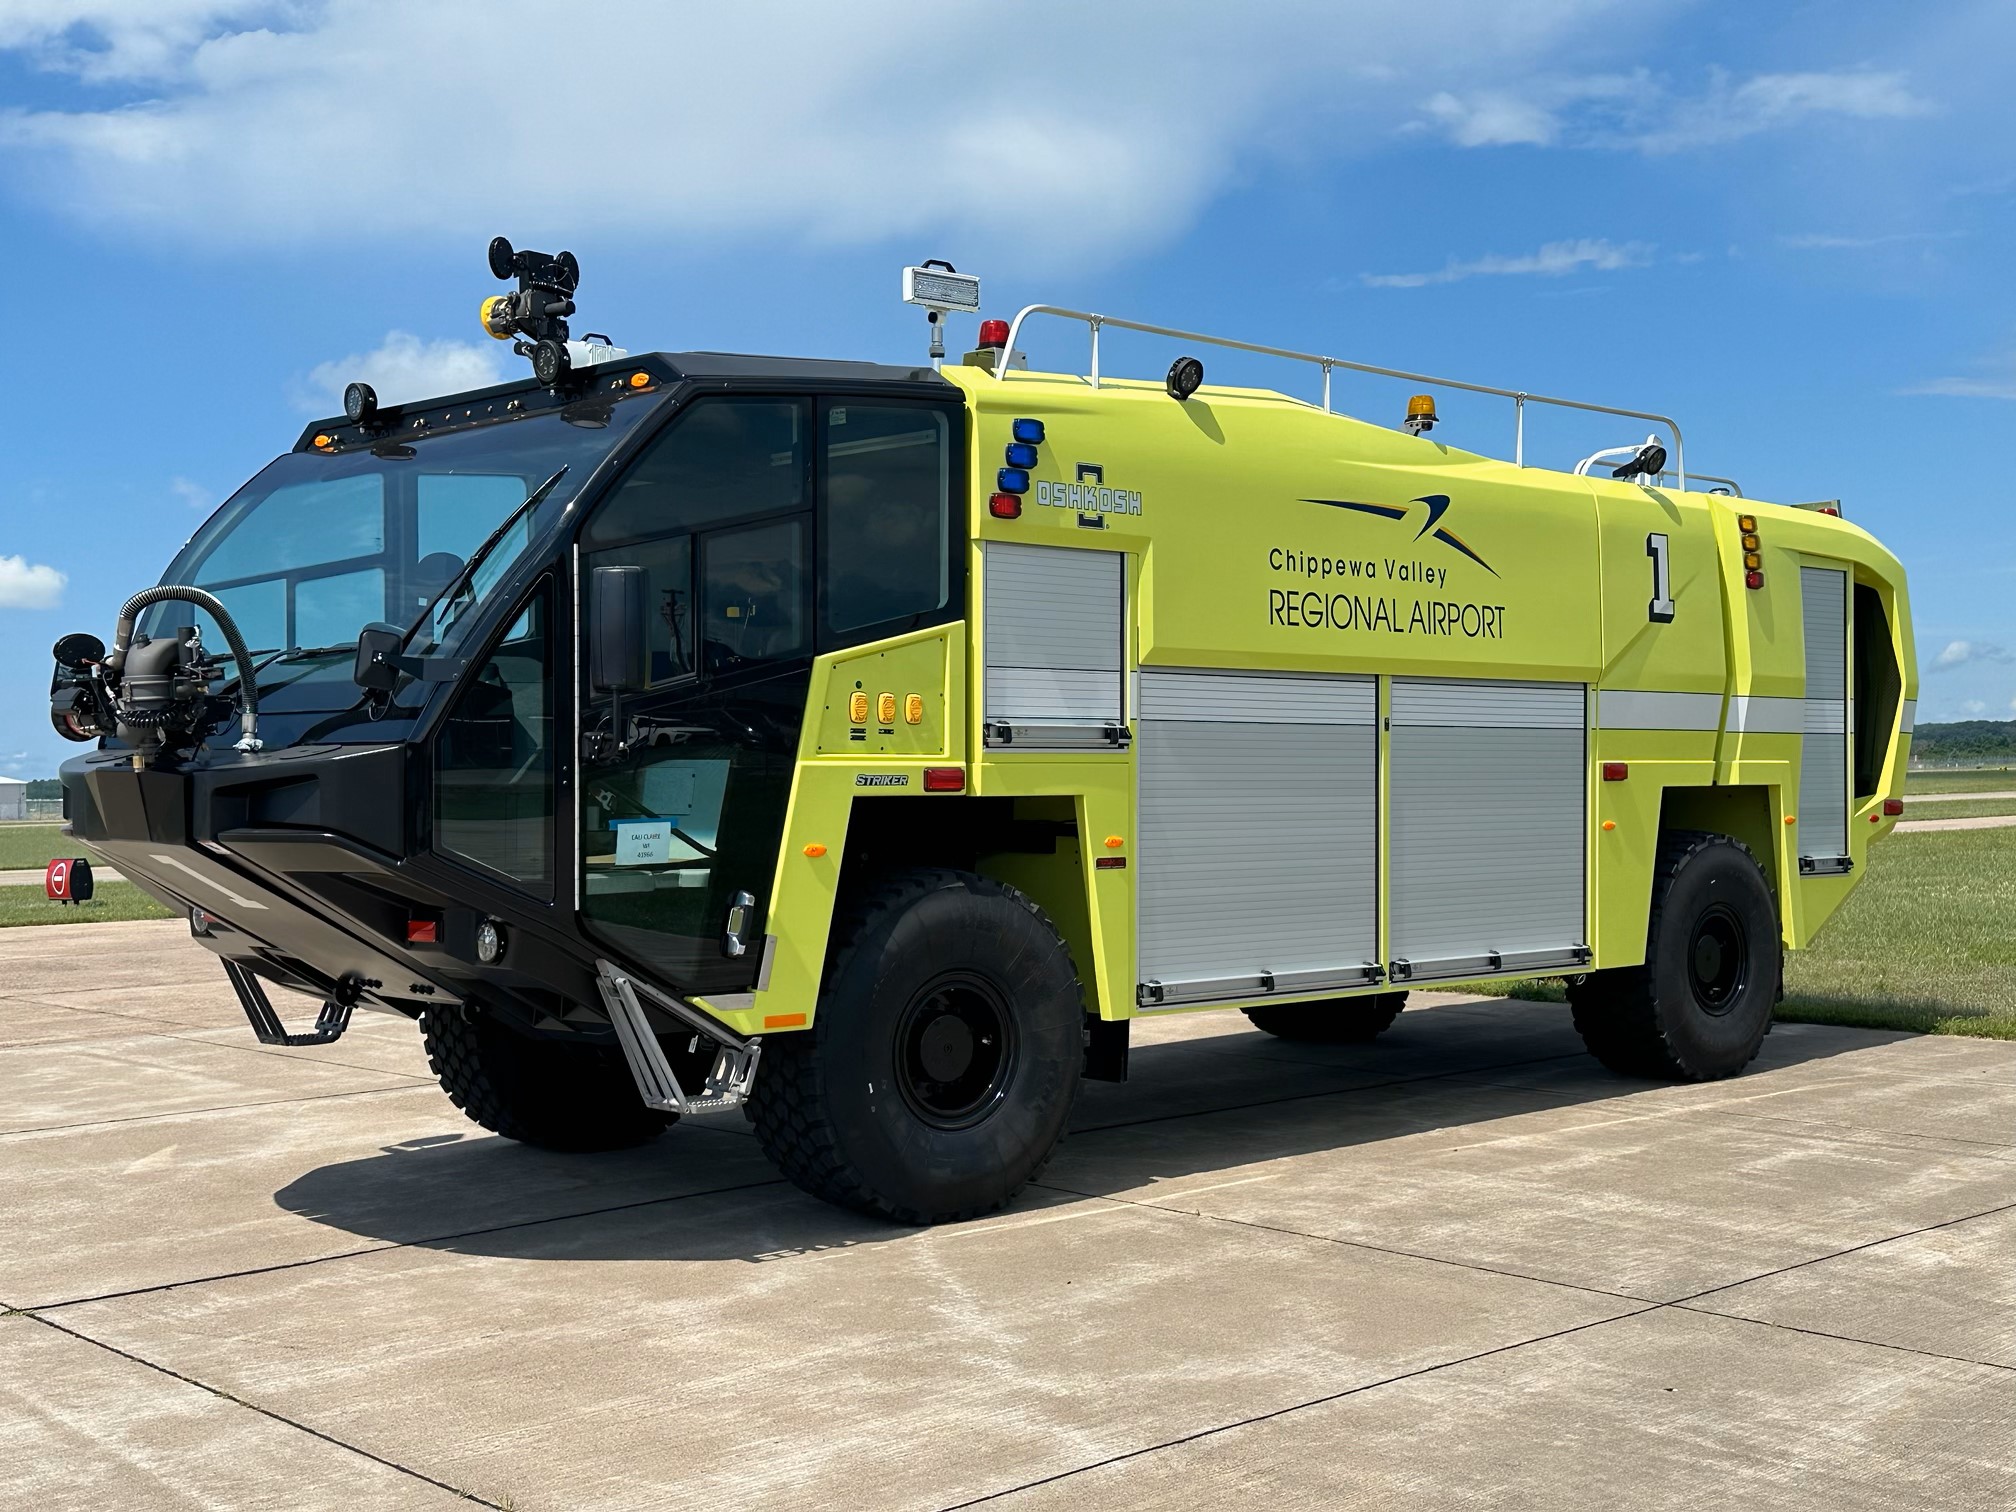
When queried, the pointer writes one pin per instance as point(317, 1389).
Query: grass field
point(1978, 780)
point(110, 902)
point(24, 845)
point(1961, 808)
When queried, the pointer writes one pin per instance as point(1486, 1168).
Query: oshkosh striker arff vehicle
point(869, 745)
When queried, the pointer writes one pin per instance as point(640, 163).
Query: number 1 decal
point(1660, 610)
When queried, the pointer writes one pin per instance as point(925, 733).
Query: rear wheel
point(1700, 1006)
point(941, 1067)
point(1333, 1021)
point(537, 1091)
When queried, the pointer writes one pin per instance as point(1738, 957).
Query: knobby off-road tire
point(1700, 1006)
point(539, 1092)
point(1333, 1021)
point(942, 1065)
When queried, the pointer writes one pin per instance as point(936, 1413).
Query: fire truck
point(868, 746)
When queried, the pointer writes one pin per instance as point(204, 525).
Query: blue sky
point(1788, 226)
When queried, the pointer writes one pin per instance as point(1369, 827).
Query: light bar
point(945, 292)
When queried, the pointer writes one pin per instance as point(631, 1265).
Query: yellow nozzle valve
point(495, 326)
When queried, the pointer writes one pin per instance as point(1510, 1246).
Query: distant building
point(13, 798)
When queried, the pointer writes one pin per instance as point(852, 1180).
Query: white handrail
point(1519, 397)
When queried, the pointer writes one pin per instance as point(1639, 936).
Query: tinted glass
point(494, 762)
point(668, 593)
point(884, 553)
point(723, 459)
point(754, 595)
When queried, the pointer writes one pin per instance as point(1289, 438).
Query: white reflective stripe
point(1751, 715)
point(1628, 709)
point(1910, 715)
point(1825, 716)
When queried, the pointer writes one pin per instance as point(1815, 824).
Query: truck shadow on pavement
point(1204, 1096)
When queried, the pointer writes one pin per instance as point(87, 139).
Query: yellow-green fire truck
point(869, 746)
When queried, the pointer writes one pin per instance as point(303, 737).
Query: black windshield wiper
point(461, 579)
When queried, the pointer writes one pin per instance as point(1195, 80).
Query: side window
point(723, 459)
point(755, 594)
point(885, 551)
point(494, 761)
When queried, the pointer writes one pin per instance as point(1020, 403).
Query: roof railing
point(1519, 397)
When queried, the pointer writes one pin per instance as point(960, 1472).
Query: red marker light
point(1753, 579)
point(1616, 771)
point(1005, 507)
point(423, 932)
point(1893, 807)
point(944, 779)
point(993, 333)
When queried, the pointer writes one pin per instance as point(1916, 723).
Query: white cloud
point(192, 493)
point(1821, 241)
point(1095, 128)
point(1646, 113)
point(1974, 706)
point(403, 367)
point(29, 585)
point(1996, 380)
point(1960, 653)
point(1555, 260)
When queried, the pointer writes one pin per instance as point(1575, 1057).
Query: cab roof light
point(993, 333)
point(1030, 431)
point(1004, 506)
point(1021, 454)
point(1012, 480)
point(1421, 415)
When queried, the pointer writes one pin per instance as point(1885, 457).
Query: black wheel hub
point(955, 1048)
point(1718, 960)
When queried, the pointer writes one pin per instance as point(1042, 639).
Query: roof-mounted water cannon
point(941, 290)
point(534, 319)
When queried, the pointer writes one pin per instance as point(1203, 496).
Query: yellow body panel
point(1263, 534)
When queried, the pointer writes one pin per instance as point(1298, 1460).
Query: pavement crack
point(271, 1102)
point(266, 1412)
point(1841, 1338)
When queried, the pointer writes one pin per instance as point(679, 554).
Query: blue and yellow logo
point(1438, 506)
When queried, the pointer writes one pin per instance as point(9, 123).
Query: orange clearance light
point(913, 708)
point(1114, 842)
point(944, 779)
point(640, 380)
point(885, 708)
point(857, 708)
point(815, 850)
point(1789, 819)
point(783, 1020)
point(324, 442)
point(1892, 807)
point(1751, 542)
point(1746, 523)
point(1005, 506)
point(1753, 560)
point(1609, 824)
point(1616, 771)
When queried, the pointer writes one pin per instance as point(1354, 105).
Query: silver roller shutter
point(1258, 847)
point(1488, 840)
point(1055, 645)
point(1823, 755)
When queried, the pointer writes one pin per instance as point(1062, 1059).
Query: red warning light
point(993, 333)
point(1005, 507)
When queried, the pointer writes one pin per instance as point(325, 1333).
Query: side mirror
point(377, 668)
point(617, 637)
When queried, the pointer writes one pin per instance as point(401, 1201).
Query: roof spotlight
point(1186, 374)
point(360, 402)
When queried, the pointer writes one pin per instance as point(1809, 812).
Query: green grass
point(1971, 780)
point(1926, 943)
point(110, 902)
point(1961, 808)
point(36, 845)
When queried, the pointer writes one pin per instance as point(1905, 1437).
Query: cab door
point(684, 783)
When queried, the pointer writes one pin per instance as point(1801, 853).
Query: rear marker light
point(1893, 807)
point(944, 779)
point(1616, 771)
point(423, 932)
point(1027, 430)
point(1753, 579)
point(1005, 507)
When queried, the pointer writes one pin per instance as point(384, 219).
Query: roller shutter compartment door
point(1488, 844)
point(1054, 635)
point(1258, 848)
point(1823, 753)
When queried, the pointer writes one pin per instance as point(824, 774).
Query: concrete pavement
point(1463, 1266)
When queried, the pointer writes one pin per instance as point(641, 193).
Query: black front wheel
point(543, 1092)
point(943, 1061)
point(1700, 1006)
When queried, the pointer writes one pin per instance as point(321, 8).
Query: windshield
point(318, 545)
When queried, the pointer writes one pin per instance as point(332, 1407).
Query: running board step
point(266, 1026)
point(727, 1084)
